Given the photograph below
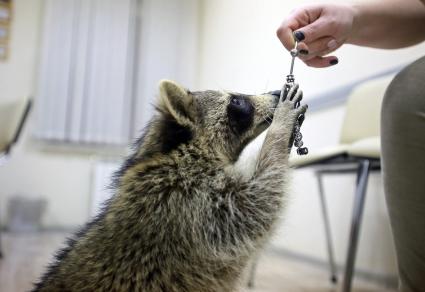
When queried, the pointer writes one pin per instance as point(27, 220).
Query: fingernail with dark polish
point(299, 35)
point(333, 62)
point(303, 52)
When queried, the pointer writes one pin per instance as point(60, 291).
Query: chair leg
point(362, 178)
point(327, 225)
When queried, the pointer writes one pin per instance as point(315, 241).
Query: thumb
point(285, 33)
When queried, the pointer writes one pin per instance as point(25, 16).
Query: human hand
point(320, 28)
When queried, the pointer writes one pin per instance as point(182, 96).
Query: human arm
point(390, 24)
point(380, 24)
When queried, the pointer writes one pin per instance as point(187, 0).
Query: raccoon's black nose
point(275, 93)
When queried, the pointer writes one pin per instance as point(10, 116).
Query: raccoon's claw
point(297, 99)
point(284, 92)
point(289, 91)
point(292, 93)
point(301, 113)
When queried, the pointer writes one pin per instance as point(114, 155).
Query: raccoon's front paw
point(291, 92)
point(288, 114)
point(289, 109)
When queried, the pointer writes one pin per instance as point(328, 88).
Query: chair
point(358, 151)
point(12, 120)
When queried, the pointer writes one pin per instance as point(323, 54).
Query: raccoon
point(183, 218)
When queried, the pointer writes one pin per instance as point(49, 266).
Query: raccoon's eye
point(235, 101)
point(239, 103)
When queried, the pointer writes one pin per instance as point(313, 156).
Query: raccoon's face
point(226, 120)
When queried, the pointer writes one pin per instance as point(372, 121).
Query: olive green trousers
point(403, 166)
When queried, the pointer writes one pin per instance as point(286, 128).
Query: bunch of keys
point(290, 80)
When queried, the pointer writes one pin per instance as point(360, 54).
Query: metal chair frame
point(339, 165)
point(363, 166)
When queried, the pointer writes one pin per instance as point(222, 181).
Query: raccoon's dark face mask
point(249, 115)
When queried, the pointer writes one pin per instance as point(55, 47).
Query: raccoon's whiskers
point(270, 117)
point(271, 112)
point(267, 118)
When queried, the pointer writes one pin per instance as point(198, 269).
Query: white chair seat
point(368, 148)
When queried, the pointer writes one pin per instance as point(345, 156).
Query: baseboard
point(390, 281)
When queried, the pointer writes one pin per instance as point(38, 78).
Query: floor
point(26, 255)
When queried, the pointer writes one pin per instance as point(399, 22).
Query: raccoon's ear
point(176, 101)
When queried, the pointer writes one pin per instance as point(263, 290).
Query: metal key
point(294, 54)
point(290, 80)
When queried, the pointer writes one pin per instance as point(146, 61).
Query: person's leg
point(403, 162)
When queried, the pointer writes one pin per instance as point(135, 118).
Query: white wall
point(63, 179)
point(168, 49)
point(240, 52)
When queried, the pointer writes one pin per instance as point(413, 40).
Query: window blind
point(84, 92)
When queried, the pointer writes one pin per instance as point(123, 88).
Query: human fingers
point(285, 33)
point(332, 21)
point(322, 62)
point(320, 47)
point(303, 50)
point(297, 19)
point(322, 44)
point(316, 30)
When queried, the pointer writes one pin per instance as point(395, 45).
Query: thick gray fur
point(183, 217)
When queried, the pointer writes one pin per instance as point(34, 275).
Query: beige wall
point(62, 179)
point(17, 73)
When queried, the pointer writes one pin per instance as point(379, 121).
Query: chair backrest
point(363, 110)
point(12, 119)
